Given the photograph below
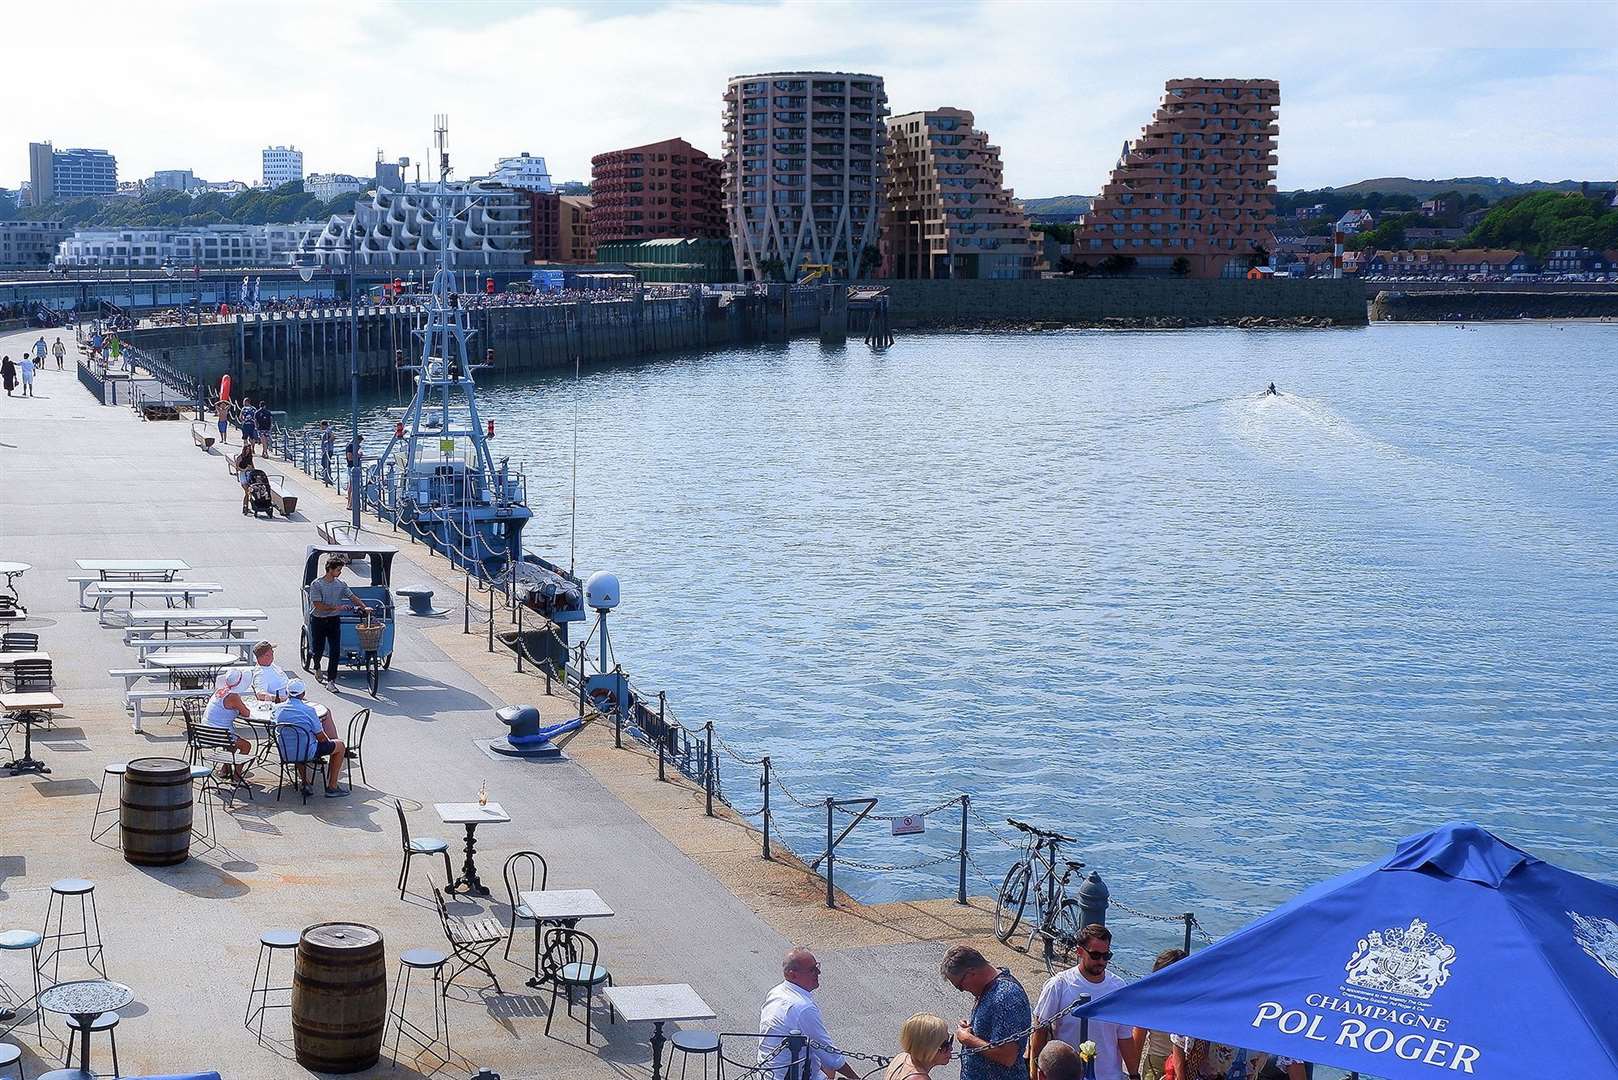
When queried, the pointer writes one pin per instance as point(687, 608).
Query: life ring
point(605, 699)
point(224, 388)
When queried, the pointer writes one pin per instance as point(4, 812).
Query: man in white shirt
point(790, 1008)
point(1117, 1056)
point(269, 681)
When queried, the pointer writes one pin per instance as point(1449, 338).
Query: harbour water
point(1234, 643)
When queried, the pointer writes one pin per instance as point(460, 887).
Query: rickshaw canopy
point(379, 561)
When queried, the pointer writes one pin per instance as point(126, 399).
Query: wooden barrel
point(339, 997)
point(154, 811)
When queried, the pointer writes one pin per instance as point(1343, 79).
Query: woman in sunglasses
point(926, 1043)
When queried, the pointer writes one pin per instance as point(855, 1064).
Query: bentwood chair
point(418, 845)
point(525, 871)
point(354, 742)
point(573, 957)
point(298, 759)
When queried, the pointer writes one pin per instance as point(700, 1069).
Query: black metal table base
point(469, 883)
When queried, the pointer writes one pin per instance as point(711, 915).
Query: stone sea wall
point(1397, 305)
point(1144, 302)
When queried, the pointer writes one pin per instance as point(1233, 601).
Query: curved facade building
point(664, 190)
point(803, 168)
point(1198, 184)
point(397, 229)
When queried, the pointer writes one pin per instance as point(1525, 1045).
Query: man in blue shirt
point(995, 1038)
point(306, 736)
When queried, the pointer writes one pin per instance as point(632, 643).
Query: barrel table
point(154, 811)
point(339, 997)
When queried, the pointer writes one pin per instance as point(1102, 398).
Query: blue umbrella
point(1458, 955)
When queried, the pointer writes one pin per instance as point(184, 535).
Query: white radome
point(601, 591)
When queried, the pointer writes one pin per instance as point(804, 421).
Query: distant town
point(818, 178)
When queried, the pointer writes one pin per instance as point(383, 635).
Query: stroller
point(258, 493)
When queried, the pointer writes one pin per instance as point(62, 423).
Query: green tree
point(870, 259)
point(1117, 265)
point(772, 270)
point(1548, 219)
point(1181, 266)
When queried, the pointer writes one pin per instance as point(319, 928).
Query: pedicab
point(365, 640)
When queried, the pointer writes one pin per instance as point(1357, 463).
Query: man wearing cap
point(298, 713)
point(269, 681)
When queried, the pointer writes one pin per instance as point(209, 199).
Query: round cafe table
point(12, 571)
point(263, 718)
point(85, 1000)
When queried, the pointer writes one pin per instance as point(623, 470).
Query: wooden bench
point(283, 501)
point(144, 647)
point(186, 591)
point(202, 436)
point(138, 698)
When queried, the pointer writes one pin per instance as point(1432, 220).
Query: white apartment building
point(180, 248)
point(803, 167)
point(282, 164)
point(522, 171)
point(327, 186)
point(492, 228)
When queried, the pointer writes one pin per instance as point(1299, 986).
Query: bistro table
point(85, 1000)
point(471, 815)
point(263, 716)
point(13, 571)
point(658, 1005)
point(565, 906)
point(29, 709)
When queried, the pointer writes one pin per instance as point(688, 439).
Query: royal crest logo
point(1410, 961)
point(1598, 938)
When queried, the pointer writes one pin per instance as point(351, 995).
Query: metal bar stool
point(52, 945)
point(11, 1058)
point(410, 962)
point(111, 774)
point(700, 1044)
point(107, 1022)
point(269, 943)
point(22, 941)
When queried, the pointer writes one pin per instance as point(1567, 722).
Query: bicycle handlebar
point(1037, 831)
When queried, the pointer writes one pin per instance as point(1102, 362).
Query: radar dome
point(601, 591)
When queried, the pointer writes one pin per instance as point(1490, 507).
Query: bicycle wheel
point(373, 672)
point(1065, 933)
point(1008, 906)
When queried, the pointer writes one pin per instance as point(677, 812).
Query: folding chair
point(472, 937)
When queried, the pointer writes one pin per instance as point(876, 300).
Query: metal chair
point(410, 962)
point(216, 746)
point(110, 774)
point(19, 641)
point(418, 845)
point(472, 937)
point(32, 676)
point(525, 871)
point(270, 942)
point(297, 750)
point(572, 956)
point(353, 739)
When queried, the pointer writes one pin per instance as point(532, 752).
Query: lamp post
point(356, 490)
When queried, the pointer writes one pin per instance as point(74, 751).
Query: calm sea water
point(1235, 643)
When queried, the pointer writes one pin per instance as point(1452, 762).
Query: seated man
point(322, 735)
point(269, 681)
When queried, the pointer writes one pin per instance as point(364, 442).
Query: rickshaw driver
point(328, 599)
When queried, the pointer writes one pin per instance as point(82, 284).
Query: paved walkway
point(78, 480)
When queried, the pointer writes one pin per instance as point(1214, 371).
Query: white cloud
point(1367, 89)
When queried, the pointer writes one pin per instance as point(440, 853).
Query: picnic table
point(125, 570)
point(195, 619)
point(658, 1005)
point(471, 815)
point(184, 591)
point(28, 710)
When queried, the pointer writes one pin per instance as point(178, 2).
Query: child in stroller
point(258, 493)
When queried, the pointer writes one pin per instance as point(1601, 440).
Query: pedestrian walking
point(249, 422)
point(1117, 1055)
point(115, 349)
point(8, 374)
point(59, 351)
point(27, 368)
point(245, 465)
point(265, 422)
point(221, 413)
point(39, 351)
point(328, 446)
point(994, 1038)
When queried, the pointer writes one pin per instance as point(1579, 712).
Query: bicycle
point(1057, 913)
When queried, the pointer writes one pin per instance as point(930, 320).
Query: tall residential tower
point(282, 165)
point(803, 171)
point(1198, 184)
point(949, 213)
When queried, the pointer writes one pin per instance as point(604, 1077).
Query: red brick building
point(664, 190)
point(1198, 184)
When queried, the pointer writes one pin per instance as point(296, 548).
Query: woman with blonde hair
point(925, 1043)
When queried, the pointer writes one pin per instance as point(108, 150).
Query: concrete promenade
point(693, 902)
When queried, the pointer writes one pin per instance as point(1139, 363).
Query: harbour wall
point(1399, 305)
point(1109, 301)
point(303, 357)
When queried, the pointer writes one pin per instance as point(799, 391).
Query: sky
point(1429, 90)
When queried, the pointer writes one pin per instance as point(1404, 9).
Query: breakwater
point(1144, 302)
point(1399, 305)
point(303, 357)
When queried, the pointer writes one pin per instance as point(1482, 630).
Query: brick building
point(1198, 184)
point(561, 228)
point(663, 190)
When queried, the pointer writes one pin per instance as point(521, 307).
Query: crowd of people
point(1005, 1037)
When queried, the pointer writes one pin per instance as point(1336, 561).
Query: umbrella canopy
point(1458, 955)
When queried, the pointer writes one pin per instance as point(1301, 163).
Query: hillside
point(1490, 188)
point(1057, 204)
